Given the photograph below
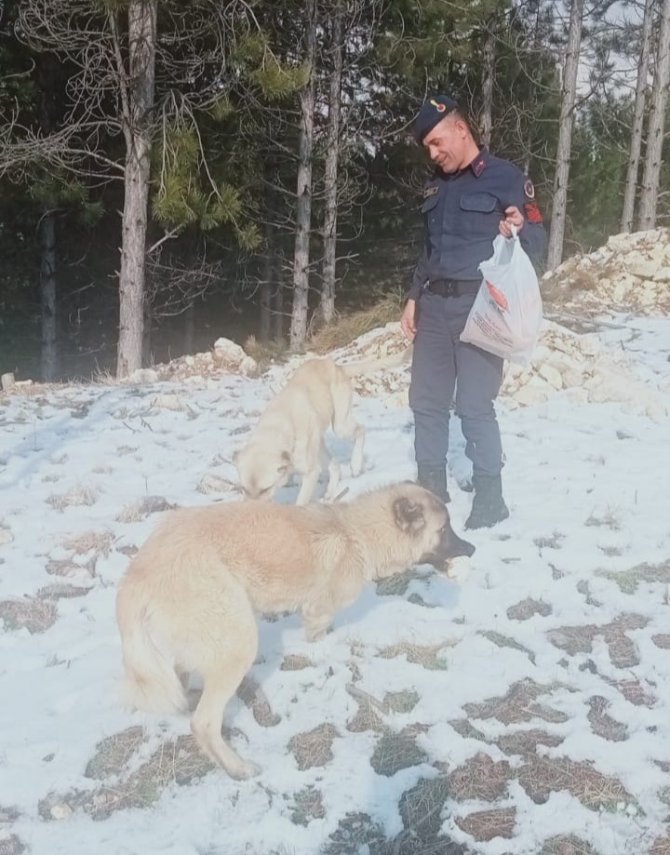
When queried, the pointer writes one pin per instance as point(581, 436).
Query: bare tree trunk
point(331, 170)
point(488, 73)
point(655, 131)
point(628, 211)
point(49, 356)
point(137, 131)
point(569, 96)
point(278, 306)
point(304, 192)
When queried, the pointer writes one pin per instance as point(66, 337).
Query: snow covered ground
point(522, 708)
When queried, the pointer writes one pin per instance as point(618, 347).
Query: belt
point(453, 287)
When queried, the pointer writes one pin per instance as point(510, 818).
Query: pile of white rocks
point(564, 361)
point(226, 357)
point(630, 273)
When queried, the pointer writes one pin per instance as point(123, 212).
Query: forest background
point(172, 171)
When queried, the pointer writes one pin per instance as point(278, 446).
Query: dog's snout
point(453, 546)
point(458, 547)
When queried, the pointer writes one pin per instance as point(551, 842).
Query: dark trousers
point(442, 365)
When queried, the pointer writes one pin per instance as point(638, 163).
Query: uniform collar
point(480, 162)
point(476, 166)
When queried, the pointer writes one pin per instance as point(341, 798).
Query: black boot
point(434, 478)
point(488, 505)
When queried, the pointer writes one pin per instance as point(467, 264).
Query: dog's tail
point(369, 366)
point(151, 682)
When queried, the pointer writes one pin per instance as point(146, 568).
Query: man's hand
point(513, 217)
point(408, 320)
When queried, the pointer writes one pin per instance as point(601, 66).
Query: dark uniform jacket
point(462, 212)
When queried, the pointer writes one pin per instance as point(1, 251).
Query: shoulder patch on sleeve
point(532, 212)
point(529, 189)
point(429, 191)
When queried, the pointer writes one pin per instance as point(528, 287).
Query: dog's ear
point(285, 461)
point(408, 515)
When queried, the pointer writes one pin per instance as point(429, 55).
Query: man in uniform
point(471, 197)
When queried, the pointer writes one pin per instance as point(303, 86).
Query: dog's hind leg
point(346, 426)
point(232, 643)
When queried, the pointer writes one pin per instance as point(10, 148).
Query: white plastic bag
point(506, 315)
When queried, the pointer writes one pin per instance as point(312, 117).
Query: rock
point(644, 268)
point(168, 402)
point(60, 811)
point(551, 375)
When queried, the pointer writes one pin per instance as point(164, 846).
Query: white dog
point(289, 435)
point(189, 600)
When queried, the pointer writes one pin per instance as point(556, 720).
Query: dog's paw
point(244, 770)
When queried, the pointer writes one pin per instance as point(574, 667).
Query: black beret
point(432, 112)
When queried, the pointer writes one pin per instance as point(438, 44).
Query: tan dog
point(289, 435)
point(189, 598)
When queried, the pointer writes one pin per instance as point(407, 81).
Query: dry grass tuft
point(464, 728)
point(660, 846)
point(517, 705)
point(254, 697)
point(60, 592)
point(604, 725)
point(313, 747)
point(308, 805)
point(525, 742)
point(76, 497)
point(541, 776)
point(112, 753)
point(366, 718)
point(68, 568)
point(294, 662)
point(634, 692)
point(177, 761)
point(501, 640)
point(266, 353)
point(350, 326)
point(421, 806)
point(607, 520)
point(141, 509)
point(30, 613)
point(401, 702)
point(354, 833)
point(479, 778)
point(417, 654)
point(622, 650)
point(525, 609)
point(99, 542)
point(661, 640)
point(553, 542)
point(12, 845)
point(484, 825)
point(8, 814)
point(567, 844)
point(396, 585)
point(395, 751)
point(629, 580)
point(574, 639)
